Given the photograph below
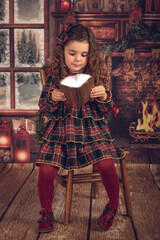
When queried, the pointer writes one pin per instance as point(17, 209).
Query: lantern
point(65, 6)
point(5, 134)
point(21, 145)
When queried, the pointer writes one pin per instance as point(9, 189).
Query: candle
point(65, 6)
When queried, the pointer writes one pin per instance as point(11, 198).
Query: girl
point(76, 136)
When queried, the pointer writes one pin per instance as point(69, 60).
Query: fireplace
point(135, 83)
point(147, 129)
point(141, 136)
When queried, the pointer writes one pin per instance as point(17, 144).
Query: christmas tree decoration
point(135, 15)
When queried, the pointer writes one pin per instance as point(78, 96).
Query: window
point(23, 50)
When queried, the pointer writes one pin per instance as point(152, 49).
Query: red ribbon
point(49, 71)
point(135, 13)
point(115, 110)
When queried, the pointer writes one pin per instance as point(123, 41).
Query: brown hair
point(95, 65)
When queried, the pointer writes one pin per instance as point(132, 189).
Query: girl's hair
point(95, 65)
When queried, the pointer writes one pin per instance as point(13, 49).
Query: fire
point(149, 121)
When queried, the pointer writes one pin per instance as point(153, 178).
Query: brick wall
point(135, 78)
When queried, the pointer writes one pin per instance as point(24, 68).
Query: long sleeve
point(106, 107)
point(46, 104)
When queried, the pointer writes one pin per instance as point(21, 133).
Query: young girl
point(76, 136)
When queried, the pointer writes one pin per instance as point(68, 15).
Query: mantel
point(18, 112)
point(111, 27)
point(107, 15)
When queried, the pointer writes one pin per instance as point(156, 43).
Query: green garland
point(141, 31)
point(39, 124)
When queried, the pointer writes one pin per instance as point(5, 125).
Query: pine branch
point(142, 31)
point(38, 122)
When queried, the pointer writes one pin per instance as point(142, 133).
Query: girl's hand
point(57, 96)
point(98, 91)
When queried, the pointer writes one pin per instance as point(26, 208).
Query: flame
point(3, 140)
point(22, 155)
point(151, 120)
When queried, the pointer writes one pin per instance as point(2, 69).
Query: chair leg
point(126, 187)
point(69, 189)
point(95, 186)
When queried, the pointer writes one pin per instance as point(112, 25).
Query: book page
point(75, 81)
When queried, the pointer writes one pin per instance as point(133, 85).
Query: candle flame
point(22, 156)
point(3, 140)
point(66, 3)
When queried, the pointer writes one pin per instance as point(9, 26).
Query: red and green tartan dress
point(75, 136)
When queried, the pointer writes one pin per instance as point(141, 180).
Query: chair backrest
point(43, 76)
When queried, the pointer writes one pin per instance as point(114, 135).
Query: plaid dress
point(75, 136)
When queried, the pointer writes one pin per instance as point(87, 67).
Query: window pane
point(4, 48)
point(28, 89)
point(31, 11)
point(4, 90)
point(29, 47)
point(4, 11)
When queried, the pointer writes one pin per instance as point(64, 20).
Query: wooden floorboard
point(154, 155)
point(11, 180)
point(4, 169)
point(155, 170)
point(20, 220)
point(19, 200)
point(145, 198)
point(138, 155)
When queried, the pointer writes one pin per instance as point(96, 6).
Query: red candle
point(65, 6)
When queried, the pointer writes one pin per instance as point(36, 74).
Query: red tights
point(106, 168)
point(110, 180)
point(47, 174)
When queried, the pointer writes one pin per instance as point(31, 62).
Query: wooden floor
point(19, 204)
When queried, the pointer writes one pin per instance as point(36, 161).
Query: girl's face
point(76, 55)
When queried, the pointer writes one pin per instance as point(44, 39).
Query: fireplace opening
point(147, 128)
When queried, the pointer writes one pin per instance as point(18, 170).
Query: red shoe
point(106, 219)
point(46, 221)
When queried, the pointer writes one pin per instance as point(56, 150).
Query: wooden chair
point(94, 178)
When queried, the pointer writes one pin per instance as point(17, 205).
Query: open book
point(77, 88)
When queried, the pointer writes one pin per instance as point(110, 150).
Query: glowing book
point(77, 88)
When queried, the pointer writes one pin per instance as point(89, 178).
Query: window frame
point(12, 69)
